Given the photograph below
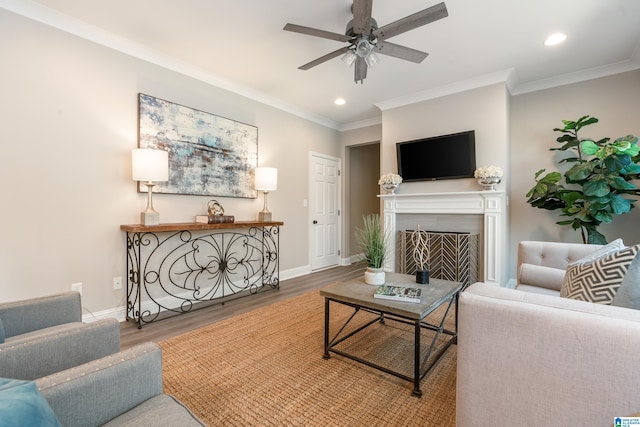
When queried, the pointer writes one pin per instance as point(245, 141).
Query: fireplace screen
point(451, 256)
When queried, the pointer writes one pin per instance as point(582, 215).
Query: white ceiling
point(241, 45)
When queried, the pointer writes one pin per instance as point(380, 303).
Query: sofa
point(124, 389)
point(541, 265)
point(528, 357)
point(44, 335)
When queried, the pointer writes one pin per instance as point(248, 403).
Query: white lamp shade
point(266, 179)
point(149, 165)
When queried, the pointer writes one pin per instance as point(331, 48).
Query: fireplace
point(446, 255)
point(488, 206)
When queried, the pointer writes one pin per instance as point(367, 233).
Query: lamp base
point(149, 218)
point(264, 216)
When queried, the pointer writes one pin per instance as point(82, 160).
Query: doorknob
point(315, 222)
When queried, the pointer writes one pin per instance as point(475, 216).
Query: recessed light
point(554, 39)
point(339, 101)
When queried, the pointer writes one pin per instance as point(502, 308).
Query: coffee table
point(359, 295)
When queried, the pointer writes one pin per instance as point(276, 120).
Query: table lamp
point(266, 180)
point(149, 165)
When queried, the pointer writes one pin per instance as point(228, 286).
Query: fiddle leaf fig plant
point(597, 186)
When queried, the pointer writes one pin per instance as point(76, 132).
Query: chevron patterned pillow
point(597, 280)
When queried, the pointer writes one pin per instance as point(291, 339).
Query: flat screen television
point(439, 157)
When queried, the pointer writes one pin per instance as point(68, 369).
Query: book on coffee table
point(398, 293)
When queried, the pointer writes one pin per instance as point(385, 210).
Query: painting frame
point(209, 155)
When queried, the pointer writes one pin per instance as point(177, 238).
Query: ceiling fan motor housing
point(349, 32)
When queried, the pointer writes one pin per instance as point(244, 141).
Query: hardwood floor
point(130, 335)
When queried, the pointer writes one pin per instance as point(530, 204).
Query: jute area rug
point(265, 368)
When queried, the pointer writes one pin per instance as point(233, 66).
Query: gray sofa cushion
point(39, 353)
point(628, 294)
point(161, 410)
point(121, 389)
point(37, 313)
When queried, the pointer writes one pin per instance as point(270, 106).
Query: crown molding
point(60, 21)
point(579, 76)
point(360, 124)
point(504, 76)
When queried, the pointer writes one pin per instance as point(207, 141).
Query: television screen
point(440, 157)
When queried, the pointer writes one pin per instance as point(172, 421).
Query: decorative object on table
point(398, 293)
point(149, 166)
point(489, 176)
point(373, 240)
point(390, 182)
point(266, 179)
point(208, 155)
point(597, 186)
point(215, 214)
point(420, 255)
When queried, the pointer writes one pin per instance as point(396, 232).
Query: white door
point(325, 211)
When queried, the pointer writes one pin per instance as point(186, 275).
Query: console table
point(174, 267)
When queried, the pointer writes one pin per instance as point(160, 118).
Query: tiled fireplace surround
point(470, 211)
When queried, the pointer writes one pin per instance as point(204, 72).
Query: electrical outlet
point(117, 282)
point(77, 287)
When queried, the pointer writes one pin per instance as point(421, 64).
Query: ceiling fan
point(365, 38)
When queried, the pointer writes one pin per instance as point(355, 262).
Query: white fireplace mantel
point(490, 204)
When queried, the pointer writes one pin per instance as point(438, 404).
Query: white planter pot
point(374, 276)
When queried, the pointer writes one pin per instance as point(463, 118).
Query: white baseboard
point(295, 272)
point(120, 313)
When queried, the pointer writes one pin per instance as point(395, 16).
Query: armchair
point(118, 390)
point(44, 335)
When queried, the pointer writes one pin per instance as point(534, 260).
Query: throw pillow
point(606, 249)
point(597, 280)
point(21, 404)
point(628, 294)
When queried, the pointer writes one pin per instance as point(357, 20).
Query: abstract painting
point(208, 155)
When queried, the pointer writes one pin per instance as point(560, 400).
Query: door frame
point(310, 210)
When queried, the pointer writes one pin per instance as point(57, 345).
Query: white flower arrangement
point(390, 178)
point(485, 172)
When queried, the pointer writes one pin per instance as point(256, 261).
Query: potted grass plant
point(373, 242)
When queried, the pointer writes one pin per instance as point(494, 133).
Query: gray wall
point(364, 172)
point(615, 100)
point(360, 177)
point(69, 123)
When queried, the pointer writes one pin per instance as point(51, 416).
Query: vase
point(374, 276)
point(489, 183)
point(422, 277)
point(390, 188)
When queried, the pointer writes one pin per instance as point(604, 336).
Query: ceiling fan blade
point(410, 22)
point(361, 70)
point(362, 16)
point(324, 58)
point(401, 52)
point(317, 33)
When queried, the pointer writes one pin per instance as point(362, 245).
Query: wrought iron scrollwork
point(169, 273)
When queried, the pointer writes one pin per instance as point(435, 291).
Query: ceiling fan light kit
point(365, 38)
